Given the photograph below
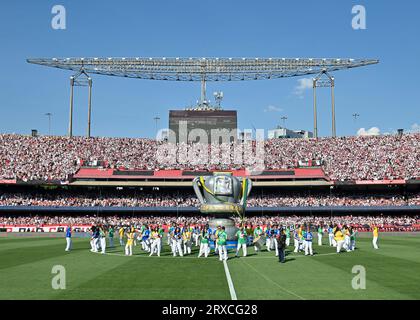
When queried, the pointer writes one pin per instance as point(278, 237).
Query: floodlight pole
point(284, 118)
point(49, 114)
point(75, 80)
point(315, 112)
point(324, 79)
point(333, 107)
point(203, 90)
point(89, 106)
point(71, 107)
point(156, 124)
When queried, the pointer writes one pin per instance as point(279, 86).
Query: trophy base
point(229, 225)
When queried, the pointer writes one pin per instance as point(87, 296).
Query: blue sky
point(385, 95)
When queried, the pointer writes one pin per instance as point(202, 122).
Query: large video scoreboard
point(202, 119)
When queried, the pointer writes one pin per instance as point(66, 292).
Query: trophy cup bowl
point(223, 196)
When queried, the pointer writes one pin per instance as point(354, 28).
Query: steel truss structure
point(199, 69)
point(204, 69)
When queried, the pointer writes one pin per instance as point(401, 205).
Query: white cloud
point(303, 85)
point(272, 108)
point(415, 128)
point(374, 131)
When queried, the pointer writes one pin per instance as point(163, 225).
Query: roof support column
point(315, 112)
point(85, 81)
point(334, 133)
point(89, 106)
point(324, 79)
point(203, 90)
point(70, 133)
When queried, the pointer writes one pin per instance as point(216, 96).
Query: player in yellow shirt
point(347, 241)
point(121, 235)
point(334, 243)
point(300, 236)
point(375, 232)
point(339, 239)
point(187, 240)
point(156, 242)
point(129, 245)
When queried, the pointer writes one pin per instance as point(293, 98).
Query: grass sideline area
point(26, 263)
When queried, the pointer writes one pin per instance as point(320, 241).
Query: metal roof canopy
point(204, 70)
point(199, 69)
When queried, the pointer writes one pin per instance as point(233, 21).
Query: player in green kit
point(204, 242)
point(287, 236)
point(242, 239)
point(161, 232)
point(111, 236)
point(102, 239)
point(257, 235)
point(221, 242)
point(353, 234)
point(320, 233)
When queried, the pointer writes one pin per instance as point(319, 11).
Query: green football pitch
point(392, 272)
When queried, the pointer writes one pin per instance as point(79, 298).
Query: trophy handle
point(248, 191)
point(197, 190)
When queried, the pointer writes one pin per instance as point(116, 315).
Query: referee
point(281, 244)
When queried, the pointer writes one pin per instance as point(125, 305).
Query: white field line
point(229, 281)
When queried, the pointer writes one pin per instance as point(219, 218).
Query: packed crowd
point(188, 199)
point(362, 223)
point(334, 199)
point(86, 199)
point(347, 158)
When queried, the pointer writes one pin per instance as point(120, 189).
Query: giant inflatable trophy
point(223, 196)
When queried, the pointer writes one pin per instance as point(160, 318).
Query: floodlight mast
point(324, 79)
point(203, 91)
point(205, 69)
point(80, 79)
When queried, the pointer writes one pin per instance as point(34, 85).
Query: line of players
point(181, 239)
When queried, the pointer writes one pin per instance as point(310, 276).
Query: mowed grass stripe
point(410, 253)
point(15, 238)
point(30, 254)
point(95, 276)
point(8, 243)
point(273, 282)
point(253, 282)
point(391, 273)
point(32, 279)
point(334, 275)
point(326, 276)
point(389, 276)
point(154, 279)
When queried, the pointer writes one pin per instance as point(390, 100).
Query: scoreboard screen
point(184, 121)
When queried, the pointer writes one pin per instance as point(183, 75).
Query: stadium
point(83, 182)
point(204, 211)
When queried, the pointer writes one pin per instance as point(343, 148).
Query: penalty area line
point(229, 281)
